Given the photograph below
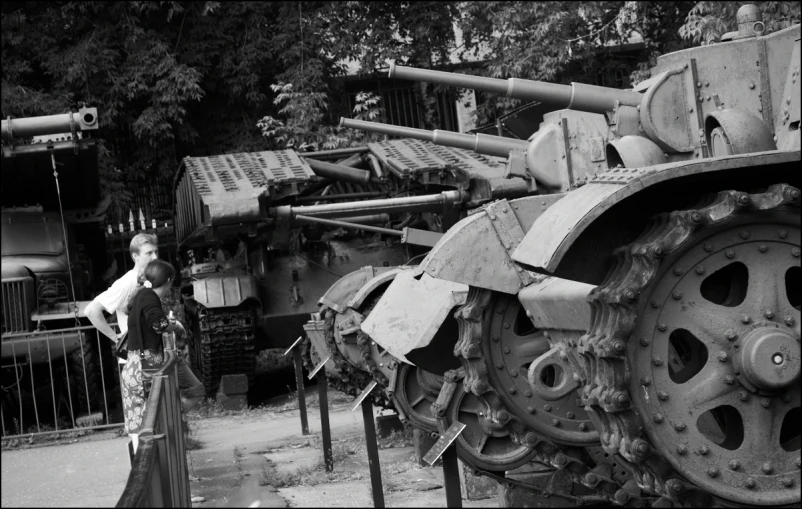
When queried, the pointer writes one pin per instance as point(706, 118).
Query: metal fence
point(54, 381)
point(159, 475)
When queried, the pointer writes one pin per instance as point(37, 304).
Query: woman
point(147, 321)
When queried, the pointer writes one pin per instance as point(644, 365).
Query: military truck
point(47, 277)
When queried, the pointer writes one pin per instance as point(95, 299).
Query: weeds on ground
point(213, 408)
point(397, 438)
point(31, 439)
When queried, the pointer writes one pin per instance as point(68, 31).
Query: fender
point(374, 283)
point(565, 227)
point(412, 311)
point(340, 293)
point(476, 251)
point(224, 292)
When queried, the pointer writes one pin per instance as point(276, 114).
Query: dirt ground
point(259, 458)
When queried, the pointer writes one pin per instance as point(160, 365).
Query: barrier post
point(322, 388)
point(443, 447)
point(299, 382)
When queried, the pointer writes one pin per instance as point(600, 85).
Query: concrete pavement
point(83, 474)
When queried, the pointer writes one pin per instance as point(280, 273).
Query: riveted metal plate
point(509, 231)
point(620, 176)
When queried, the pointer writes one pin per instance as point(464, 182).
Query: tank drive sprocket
point(691, 364)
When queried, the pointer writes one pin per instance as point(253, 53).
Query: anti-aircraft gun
point(636, 322)
point(264, 235)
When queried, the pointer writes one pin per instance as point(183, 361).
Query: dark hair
point(157, 272)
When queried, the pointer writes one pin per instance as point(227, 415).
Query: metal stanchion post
point(299, 382)
point(322, 388)
point(450, 467)
point(451, 478)
point(373, 449)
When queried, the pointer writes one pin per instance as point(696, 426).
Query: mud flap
point(411, 311)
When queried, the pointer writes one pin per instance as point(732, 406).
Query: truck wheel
point(84, 378)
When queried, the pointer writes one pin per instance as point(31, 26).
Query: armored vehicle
point(47, 277)
point(635, 322)
point(264, 235)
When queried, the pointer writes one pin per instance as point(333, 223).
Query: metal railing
point(159, 475)
point(56, 381)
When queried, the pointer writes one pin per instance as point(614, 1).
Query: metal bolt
point(506, 349)
point(704, 450)
point(743, 396)
point(751, 86)
point(506, 246)
point(528, 393)
point(767, 468)
point(695, 217)
point(644, 342)
point(621, 398)
point(787, 482)
point(563, 355)
point(570, 415)
point(675, 486)
point(547, 408)
point(619, 346)
point(729, 379)
point(700, 270)
point(630, 295)
point(663, 395)
point(646, 381)
point(682, 450)
point(493, 217)
point(750, 483)
point(531, 409)
point(708, 247)
point(707, 83)
point(583, 426)
point(495, 339)
point(500, 365)
point(690, 110)
point(722, 356)
point(762, 248)
point(556, 423)
point(795, 252)
point(658, 418)
point(712, 472)
point(789, 320)
point(729, 253)
point(766, 402)
point(783, 234)
point(794, 194)
point(657, 361)
point(707, 98)
point(512, 390)
point(743, 199)
point(698, 84)
point(731, 335)
point(676, 295)
point(679, 425)
point(656, 250)
point(655, 304)
point(640, 446)
point(745, 319)
point(768, 313)
point(734, 464)
point(678, 271)
point(662, 327)
point(513, 374)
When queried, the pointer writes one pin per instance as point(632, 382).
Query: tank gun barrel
point(576, 96)
point(481, 143)
point(84, 120)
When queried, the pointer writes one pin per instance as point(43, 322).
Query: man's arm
point(94, 311)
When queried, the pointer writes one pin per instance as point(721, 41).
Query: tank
point(262, 236)
point(633, 322)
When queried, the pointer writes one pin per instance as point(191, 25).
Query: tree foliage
point(178, 78)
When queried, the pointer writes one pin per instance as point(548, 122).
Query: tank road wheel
point(695, 339)
point(412, 395)
point(513, 344)
point(84, 378)
point(490, 440)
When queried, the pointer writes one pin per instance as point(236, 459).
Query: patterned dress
point(133, 386)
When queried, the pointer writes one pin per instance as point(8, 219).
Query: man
point(143, 249)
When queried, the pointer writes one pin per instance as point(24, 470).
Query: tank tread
point(225, 345)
